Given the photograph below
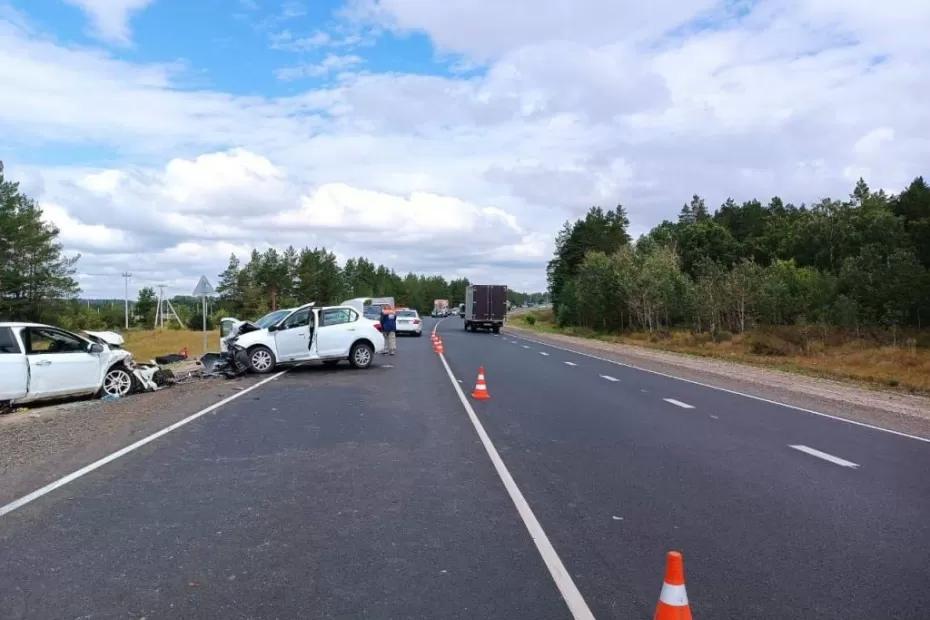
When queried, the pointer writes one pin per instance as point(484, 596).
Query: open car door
point(14, 369)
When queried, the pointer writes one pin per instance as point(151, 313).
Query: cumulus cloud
point(110, 18)
point(565, 104)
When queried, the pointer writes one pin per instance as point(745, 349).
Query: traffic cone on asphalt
point(438, 348)
point(481, 389)
point(673, 600)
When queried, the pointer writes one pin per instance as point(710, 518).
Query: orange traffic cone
point(673, 600)
point(438, 348)
point(481, 389)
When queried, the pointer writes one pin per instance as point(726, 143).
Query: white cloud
point(110, 18)
point(332, 63)
point(286, 41)
point(565, 105)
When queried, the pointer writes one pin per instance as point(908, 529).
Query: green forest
point(858, 263)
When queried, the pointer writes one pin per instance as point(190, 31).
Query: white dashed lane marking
point(570, 363)
point(544, 353)
point(823, 455)
point(678, 403)
point(609, 378)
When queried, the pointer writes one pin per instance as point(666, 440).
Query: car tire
point(361, 355)
point(117, 382)
point(418, 334)
point(497, 330)
point(261, 360)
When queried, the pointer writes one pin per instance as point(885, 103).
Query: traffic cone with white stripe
point(673, 599)
point(481, 389)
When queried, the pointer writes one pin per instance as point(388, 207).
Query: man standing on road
point(389, 329)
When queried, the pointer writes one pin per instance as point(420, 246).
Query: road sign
point(203, 288)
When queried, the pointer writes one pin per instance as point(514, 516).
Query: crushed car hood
point(242, 327)
point(111, 339)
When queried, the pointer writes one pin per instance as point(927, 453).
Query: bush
point(770, 344)
point(923, 340)
point(196, 322)
point(723, 336)
point(530, 319)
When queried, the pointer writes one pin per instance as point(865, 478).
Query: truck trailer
point(485, 307)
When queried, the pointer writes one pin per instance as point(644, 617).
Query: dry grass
point(145, 344)
point(821, 353)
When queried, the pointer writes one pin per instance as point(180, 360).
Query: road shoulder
point(41, 444)
point(898, 412)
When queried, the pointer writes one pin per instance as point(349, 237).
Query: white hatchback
point(309, 333)
point(409, 322)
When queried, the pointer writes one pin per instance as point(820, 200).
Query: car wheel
point(261, 360)
point(117, 383)
point(418, 334)
point(360, 355)
point(497, 330)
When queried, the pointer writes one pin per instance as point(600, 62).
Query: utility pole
point(160, 312)
point(126, 276)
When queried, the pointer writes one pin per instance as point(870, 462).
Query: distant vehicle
point(409, 322)
point(309, 333)
point(461, 311)
point(370, 307)
point(440, 307)
point(485, 306)
point(40, 361)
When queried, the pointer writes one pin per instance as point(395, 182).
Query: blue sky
point(449, 137)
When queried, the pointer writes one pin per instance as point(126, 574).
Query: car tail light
point(377, 326)
point(416, 321)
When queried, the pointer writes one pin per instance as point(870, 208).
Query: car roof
point(22, 324)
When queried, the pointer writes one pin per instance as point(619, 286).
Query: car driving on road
point(409, 322)
point(40, 361)
point(309, 333)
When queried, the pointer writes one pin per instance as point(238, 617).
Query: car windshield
point(272, 318)
point(372, 312)
point(407, 313)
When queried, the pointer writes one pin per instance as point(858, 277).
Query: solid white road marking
point(570, 363)
point(22, 501)
point(609, 378)
point(525, 347)
point(678, 403)
point(560, 575)
point(729, 391)
point(823, 455)
point(544, 353)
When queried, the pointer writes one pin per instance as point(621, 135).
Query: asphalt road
point(333, 493)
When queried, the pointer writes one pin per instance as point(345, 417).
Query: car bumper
point(409, 329)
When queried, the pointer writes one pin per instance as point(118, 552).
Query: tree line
point(860, 262)
point(280, 279)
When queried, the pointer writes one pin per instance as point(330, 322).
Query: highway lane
point(620, 465)
point(328, 493)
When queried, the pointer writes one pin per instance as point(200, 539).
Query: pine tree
point(33, 272)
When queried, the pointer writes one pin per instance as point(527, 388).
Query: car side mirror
point(272, 328)
point(95, 348)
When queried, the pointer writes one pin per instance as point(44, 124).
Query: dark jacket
point(389, 322)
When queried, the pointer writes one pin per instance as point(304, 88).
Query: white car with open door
point(40, 362)
point(309, 333)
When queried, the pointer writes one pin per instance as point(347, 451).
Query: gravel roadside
point(42, 443)
point(895, 411)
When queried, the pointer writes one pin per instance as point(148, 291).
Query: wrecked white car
point(307, 333)
point(39, 362)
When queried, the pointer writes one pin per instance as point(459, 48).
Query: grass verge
point(810, 351)
point(145, 344)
